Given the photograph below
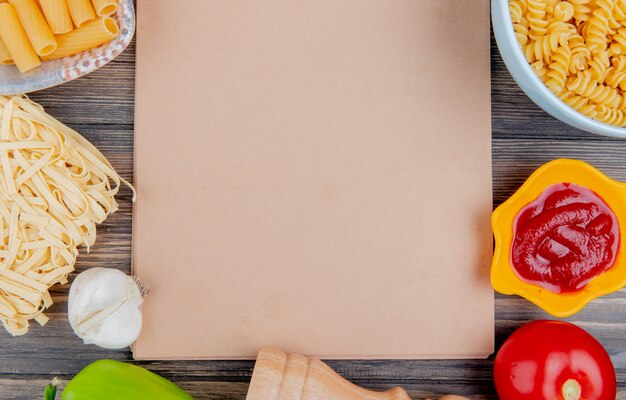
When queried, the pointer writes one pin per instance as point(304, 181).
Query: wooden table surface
point(100, 106)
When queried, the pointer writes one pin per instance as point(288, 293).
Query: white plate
point(56, 72)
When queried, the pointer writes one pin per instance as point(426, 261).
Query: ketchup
point(564, 238)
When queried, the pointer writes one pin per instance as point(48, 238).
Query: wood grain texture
point(100, 106)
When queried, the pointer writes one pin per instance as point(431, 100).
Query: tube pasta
point(28, 31)
point(35, 26)
point(81, 11)
point(5, 56)
point(89, 36)
point(54, 187)
point(58, 15)
point(15, 39)
point(104, 8)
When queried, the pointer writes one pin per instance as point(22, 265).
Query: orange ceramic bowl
point(504, 278)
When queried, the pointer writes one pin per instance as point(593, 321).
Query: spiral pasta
point(610, 115)
point(540, 49)
point(616, 75)
point(539, 68)
point(619, 42)
point(521, 31)
point(578, 103)
point(517, 10)
point(585, 86)
point(582, 10)
point(599, 65)
point(558, 70)
point(537, 18)
point(599, 25)
point(581, 55)
point(619, 11)
point(564, 11)
point(578, 49)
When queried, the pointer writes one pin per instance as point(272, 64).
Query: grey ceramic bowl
point(530, 83)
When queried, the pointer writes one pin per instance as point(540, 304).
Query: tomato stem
point(572, 390)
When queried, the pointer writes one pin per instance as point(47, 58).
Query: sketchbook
point(314, 176)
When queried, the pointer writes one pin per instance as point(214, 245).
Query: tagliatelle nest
point(54, 187)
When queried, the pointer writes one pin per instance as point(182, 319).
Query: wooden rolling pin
point(278, 376)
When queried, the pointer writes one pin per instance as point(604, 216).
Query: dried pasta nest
point(55, 187)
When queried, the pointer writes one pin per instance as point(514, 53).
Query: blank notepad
point(314, 176)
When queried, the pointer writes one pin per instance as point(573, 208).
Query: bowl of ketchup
point(558, 238)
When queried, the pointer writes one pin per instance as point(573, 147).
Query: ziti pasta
point(104, 8)
point(35, 25)
point(578, 49)
point(81, 11)
point(53, 29)
point(14, 37)
point(55, 187)
point(58, 15)
point(5, 56)
point(84, 38)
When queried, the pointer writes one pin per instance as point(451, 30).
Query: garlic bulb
point(104, 307)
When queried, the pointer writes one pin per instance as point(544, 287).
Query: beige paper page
point(314, 176)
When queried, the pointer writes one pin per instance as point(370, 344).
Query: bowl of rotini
point(569, 57)
point(44, 43)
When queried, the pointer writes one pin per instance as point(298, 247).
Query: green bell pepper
point(115, 380)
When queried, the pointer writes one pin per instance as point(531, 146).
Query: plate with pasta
point(44, 43)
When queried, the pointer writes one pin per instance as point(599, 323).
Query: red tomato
point(553, 360)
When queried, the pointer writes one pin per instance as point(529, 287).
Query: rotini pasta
point(616, 75)
point(539, 68)
point(619, 10)
point(582, 11)
point(584, 85)
point(521, 31)
point(581, 55)
point(540, 49)
point(550, 4)
point(578, 49)
point(537, 18)
point(610, 115)
point(578, 103)
point(599, 26)
point(599, 65)
point(560, 32)
point(517, 11)
point(558, 70)
point(564, 11)
point(619, 39)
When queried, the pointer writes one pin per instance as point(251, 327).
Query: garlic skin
point(104, 307)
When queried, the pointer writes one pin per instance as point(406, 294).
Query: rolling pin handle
point(278, 376)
